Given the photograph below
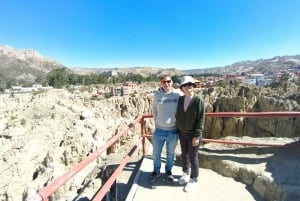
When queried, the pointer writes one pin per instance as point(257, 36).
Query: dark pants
point(189, 156)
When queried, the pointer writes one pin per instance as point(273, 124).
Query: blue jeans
point(159, 138)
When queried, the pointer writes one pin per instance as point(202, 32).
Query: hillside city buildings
point(130, 88)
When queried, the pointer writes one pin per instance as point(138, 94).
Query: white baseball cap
point(187, 79)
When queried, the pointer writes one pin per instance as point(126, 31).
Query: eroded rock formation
point(45, 134)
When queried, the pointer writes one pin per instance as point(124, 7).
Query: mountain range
point(30, 66)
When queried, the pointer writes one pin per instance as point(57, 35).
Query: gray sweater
point(164, 109)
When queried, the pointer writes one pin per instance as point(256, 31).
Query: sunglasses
point(187, 84)
point(166, 81)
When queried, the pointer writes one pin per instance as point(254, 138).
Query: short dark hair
point(163, 76)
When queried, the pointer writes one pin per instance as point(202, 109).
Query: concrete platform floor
point(210, 187)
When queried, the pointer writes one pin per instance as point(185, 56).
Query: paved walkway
point(210, 187)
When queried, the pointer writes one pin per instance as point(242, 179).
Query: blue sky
point(159, 33)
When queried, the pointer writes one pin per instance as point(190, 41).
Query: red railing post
point(57, 183)
point(52, 187)
point(143, 132)
point(106, 186)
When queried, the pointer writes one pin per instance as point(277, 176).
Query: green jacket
point(191, 121)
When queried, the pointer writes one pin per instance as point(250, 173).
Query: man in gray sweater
point(164, 109)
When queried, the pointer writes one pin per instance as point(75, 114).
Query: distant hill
point(265, 66)
point(144, 71)
point(29, 66)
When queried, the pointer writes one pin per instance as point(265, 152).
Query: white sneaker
point(189, 186)
point(184, 179)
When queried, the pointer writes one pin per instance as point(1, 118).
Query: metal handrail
point(253, 114)
point(106, 186)
point(43, 194)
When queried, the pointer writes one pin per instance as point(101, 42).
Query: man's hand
point(195, 141)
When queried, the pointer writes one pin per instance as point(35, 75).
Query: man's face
point(166, 83)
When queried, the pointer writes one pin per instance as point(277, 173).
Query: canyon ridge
point(46, 133)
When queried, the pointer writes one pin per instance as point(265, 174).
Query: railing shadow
point(280, 166)
point(46, 192)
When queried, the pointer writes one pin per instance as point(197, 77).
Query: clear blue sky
point(159, 33)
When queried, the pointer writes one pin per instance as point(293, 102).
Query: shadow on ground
point(279, 166)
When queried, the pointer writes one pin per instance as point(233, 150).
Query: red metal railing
point(252, 114)
point(43, 194)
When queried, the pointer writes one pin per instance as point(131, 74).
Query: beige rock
point(45, 134)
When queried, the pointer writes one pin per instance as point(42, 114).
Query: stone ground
point(266, 173)
point(272, 172)
point(38, 131)
point(243, 172)
point(211, 186)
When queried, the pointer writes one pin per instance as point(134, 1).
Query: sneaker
point(184, 179)
point(153, 177)
point(169, 177)
point(189, 186)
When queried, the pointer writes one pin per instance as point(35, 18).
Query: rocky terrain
point(46, 133)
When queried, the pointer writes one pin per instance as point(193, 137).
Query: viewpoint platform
point(210, 187)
